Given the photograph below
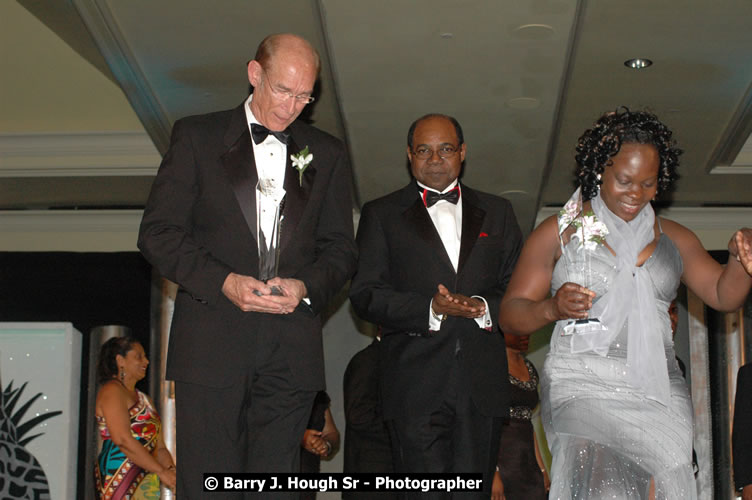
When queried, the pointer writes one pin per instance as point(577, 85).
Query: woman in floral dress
point(133, 460)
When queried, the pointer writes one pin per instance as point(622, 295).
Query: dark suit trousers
point(453, 438)
point(255, 425)
point(742, 429)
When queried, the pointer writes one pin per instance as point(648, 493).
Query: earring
point(598, 176)
point(122, 375)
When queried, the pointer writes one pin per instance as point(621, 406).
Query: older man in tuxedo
point(235, 189)
point(435, 259)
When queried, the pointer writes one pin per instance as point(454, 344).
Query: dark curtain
point(86, 289)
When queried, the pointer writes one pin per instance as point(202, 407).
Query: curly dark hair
point(107, 365)
point(599, 144)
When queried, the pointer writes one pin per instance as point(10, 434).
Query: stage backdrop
point(40, 368)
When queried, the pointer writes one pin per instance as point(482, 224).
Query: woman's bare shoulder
point(679, 234)
point(541, 246)
point(548, 228)
point(110, 390)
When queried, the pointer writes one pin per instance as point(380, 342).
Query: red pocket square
point(483, 235)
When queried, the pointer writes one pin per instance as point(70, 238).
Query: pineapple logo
point(21, 476)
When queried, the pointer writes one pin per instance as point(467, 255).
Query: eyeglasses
point(285, 95)
point(445, 151)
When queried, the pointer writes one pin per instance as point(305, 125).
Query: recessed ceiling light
point(533, 32)
point(447, 35)
point(637, 63)
point(523, 103)
point(515, 194)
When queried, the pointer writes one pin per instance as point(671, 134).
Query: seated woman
point(520, 473)
point(616, 409)
point(134, 458)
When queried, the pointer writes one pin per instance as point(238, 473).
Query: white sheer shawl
point(630, 298)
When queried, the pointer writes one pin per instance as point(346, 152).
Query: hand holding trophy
point(588, 233)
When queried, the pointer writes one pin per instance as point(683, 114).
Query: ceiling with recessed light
point(92, 88)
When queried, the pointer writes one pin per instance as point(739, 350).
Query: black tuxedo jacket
point(742, 430)
point(402, 260)
point(200, 224)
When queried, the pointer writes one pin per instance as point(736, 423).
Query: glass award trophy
point(580, 234)
point(271, 199)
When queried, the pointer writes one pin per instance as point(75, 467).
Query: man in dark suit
point(367, 444)
point(741, 439)
point(247, 355)
point(432, 274)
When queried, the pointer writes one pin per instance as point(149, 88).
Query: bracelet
point(328, 446)
point(436, 316)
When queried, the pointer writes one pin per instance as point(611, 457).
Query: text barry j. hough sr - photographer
point(343, 482)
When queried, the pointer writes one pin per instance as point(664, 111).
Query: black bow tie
point(260, 133)
point(431, 197)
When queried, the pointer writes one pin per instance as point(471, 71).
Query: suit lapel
point(472, 221)
point(296, 194)
point(240, 166)
point(420, 222)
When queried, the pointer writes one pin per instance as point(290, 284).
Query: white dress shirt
point(270, 158)
point(447, 219)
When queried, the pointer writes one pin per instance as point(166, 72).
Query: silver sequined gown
point(606, 437)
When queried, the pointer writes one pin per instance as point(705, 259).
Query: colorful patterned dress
point(117, 478)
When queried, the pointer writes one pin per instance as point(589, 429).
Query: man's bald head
point(274, 45)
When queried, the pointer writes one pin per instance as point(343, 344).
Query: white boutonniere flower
point(301, 161)
point(593, 231)
point(590, 231)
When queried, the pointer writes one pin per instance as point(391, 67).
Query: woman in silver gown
point(615, 407)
